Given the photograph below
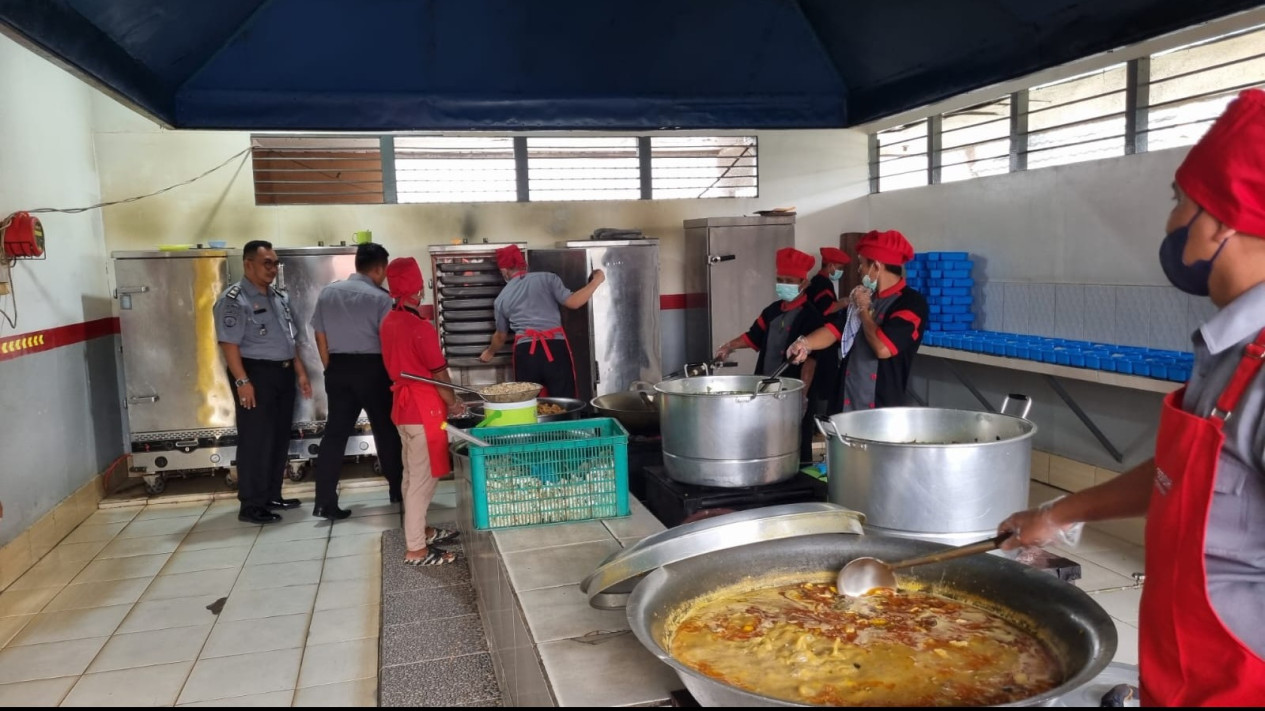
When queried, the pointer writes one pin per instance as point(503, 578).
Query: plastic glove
point(1036, 527)
point(798, 351)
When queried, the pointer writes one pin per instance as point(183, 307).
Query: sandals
point(441, 535)
point(434, 556)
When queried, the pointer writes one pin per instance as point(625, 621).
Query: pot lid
point(608, 587)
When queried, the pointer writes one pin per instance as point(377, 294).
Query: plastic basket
point(554, 472)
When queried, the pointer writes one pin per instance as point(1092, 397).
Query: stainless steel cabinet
point(733, 261)
point(615, 338)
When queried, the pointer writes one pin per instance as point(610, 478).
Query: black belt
point(355, 357)
point(268, 363)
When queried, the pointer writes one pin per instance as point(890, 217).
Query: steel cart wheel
point(230, 479)
point(155, 485)
point(298, 473)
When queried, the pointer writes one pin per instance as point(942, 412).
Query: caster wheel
point(155, 487)
point(377, 466)
point(298, 473)
point(230, 480)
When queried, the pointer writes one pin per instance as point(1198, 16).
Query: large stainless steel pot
point(1076, 630)
point(718, 432)
point(945, 475)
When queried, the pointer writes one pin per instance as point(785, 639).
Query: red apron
point(412, 396)
point(542, 339)
point(1188, 657)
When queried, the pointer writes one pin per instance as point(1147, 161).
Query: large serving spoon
point(865, 575)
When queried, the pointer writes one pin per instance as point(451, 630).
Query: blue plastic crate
point(968, 283)
point(954, 256)
point(955, 326)
point(934, 309)
point(936, 273)
point(552, 472)
point(932, 256)
point(935, 291)
point(953, 291)
point(960, 300)
point(956, 309)
point(957, 273)
point(964, 318)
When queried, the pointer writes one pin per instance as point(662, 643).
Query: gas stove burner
point(673, 503)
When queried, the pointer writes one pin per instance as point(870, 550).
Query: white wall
point(61, 408)
point(1099, 222)
point(816, 171)
point(47, 160)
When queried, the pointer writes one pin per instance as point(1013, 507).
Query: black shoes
point(396, 496)
point(260, 516)
point(332, 513)
point(283, 504)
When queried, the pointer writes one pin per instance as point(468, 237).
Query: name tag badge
point(263, 330)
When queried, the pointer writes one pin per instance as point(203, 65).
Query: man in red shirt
point(410, 344)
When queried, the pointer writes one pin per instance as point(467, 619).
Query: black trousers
point(808, 427)
point(558, 376)
point(354, 383)
point(263, 432)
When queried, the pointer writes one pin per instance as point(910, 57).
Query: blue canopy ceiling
point(401, 65)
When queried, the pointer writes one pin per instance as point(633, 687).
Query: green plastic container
point(554, 472)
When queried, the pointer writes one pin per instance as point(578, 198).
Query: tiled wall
point(1071, 476)
point(1147, 316)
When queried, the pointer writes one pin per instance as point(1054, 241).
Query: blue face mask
point(787, 292)
point(1190, 278)
point(868, 282)
point(836, 275)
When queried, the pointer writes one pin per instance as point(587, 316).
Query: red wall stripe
point(25, 344)
point(673, 302)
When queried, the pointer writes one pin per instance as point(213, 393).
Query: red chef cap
point(793, 263)
point(1225, 172)
point(888, 247)
point(831, 255)
point(404, 277)
point(511, 258)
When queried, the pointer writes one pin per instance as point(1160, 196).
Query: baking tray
point(487, 327)
point(471, 280)
point(458, 304)
point(467, 339)
point(474, 315)
point(469, 292)
point(459, 267)
point(471, 350)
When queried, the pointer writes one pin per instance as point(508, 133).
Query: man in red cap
point(892, 316)
point(1202, 624)
point(410, 344)
point(782, 321)
point(528, 308)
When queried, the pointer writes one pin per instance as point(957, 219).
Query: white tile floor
point(117, 613)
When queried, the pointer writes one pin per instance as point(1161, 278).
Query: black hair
point(370, 255)
point(894, 269)
point(252, 248)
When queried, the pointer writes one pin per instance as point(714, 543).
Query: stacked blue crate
point(945, 279)
point(1131, 360)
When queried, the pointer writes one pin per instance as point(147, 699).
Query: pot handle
point(1025, 403)
point(648, 399)
point(828, 430)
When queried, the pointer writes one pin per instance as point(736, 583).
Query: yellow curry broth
point(801, 642)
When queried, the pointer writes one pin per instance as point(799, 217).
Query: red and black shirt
point(868, 381)
point(776, 329)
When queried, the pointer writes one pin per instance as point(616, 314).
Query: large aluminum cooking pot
point(939, 474)
point(1074, 628)
point(718, 432)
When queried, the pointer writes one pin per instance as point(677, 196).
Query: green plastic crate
point(553, 472)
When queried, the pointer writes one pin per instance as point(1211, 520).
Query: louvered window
point(703, 167)
point(455, 169)
point(315, 170)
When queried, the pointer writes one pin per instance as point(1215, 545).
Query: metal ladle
point(864, 575)
point(773, 378)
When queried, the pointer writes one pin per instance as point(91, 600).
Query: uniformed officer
point(257, 333)
point(346, 320)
